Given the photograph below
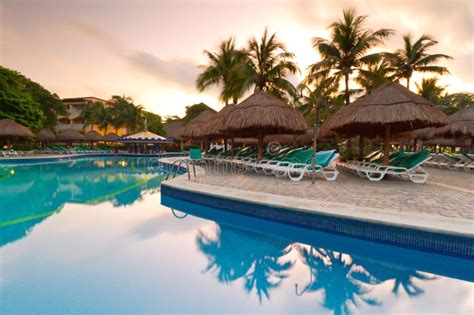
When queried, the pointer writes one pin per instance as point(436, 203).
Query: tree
point(269, 63)
point(222, 70)
point(194, 110)
point(347, 50)
point(125, 113)
point(374, 75)
point(429, 89)
point(27, 102)
point(414, 57)
point(155, 123)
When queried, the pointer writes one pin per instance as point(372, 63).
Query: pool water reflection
point(92, 237)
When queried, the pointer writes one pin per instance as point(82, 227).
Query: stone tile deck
point(447, 197)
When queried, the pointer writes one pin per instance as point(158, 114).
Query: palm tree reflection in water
point(236, 253)
point(336, 275)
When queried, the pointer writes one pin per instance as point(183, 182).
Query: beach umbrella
point(11, 128)
point(450, 142)
point(215, 126)
point(281, 139)
point(196, 128)
point(93, 136)
point(462, 126)
point(390, 109)
point(110, 137)
point(173, 128)
point(46, 135)
point(70, 136)
point(262, 114)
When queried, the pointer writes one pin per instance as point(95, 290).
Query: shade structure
point(46, 134)
point(262, 114)
point(451, 142)
point(196, 128)
point(70, 135)
point(307, 137)
point(281, 139)
point(216, 123)
point(93, 136)
point(145, 137)
point(173, 129)
point(462, 126)
point(9, 127)
point(110, 137)
point(387, 110)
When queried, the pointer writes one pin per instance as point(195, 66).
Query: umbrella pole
point(314, 153)
point(386, 149)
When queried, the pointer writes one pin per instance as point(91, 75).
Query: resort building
point(73, 120)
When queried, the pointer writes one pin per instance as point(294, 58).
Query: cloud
point(182, 73)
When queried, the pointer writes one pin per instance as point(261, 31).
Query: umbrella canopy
point(10, 127)
point(70, 135)
point(196, 128)
point(389, 109)
point(263, 114)
point(173, 128)
point(144, 137)
point(93, 136)
point(46, 134)
point(307, 137)
point(110, 137)
point(216, 123)
point(461, 127)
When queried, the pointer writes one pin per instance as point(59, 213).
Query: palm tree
point(415, 58)
point(269, 63)
point(222, 70)
point(102, 117)
point(376, 74)
point(347, 49)
point(429, 89)
point(120, 110)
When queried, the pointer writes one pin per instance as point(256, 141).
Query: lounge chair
point(405, 166)
point(278, 165)
point(296, 171)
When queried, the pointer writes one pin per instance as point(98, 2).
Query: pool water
point(94, 236)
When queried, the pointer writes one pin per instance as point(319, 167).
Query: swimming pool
point(93, 235)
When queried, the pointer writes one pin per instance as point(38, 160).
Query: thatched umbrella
point(196, 128)
point(110, 137)
point(45, 135)
point(281, 139)
point(93, 136)
point(173, 128)
point(450, 142)
point(11, 128)
point(262, 114)
point(462, 126)
point(387, 110)
point(70, 136)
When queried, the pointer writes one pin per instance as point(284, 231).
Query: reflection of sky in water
point(99, 258)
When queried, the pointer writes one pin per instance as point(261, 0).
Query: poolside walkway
point(445, 202)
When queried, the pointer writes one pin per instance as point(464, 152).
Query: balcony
point(75, 127)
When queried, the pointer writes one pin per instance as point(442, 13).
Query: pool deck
point(445, 204)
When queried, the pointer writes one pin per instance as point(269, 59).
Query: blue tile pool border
point(445, 244)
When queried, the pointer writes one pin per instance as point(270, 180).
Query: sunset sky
point(150, 50)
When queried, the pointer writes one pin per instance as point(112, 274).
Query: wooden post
point(386, 149)
point(260, 145)
point(361, 147)
point(225, 144)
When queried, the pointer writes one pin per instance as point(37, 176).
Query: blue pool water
point(95, 236)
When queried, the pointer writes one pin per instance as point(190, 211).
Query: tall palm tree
point(374, 75)
point(269, 63)
point(102, 117)
point(431, 90)
point(120, 110)
point(414, 57)
point(222, 70)
point(347, 49)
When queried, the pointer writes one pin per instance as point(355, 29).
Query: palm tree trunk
point(408, 82)
point(346, 80)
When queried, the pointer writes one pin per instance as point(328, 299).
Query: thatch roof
point(216, 124)
point(46, 134)
point(70, 135)
point(391, 104)
point(111, 137)
point(449, 142)
point(264, 113)
point(173, 128)
point(307, 137)
point(461, 127)
point(93, 136)
point(196, 128)
point(281, 139)
point(10, 127)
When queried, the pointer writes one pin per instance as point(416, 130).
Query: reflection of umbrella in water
point(256, 258)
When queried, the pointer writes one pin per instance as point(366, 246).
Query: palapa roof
point(307, 137)
point(461, 127)
point(10, 127)
point(262, 112)
point(46, 134)
point(173, 128)
point(111, 137)
point(216, 123)
point(93, 136)
point(449, 142)
point(390, 104)
point(70, 135)
point(281, 139)
point(196, 128)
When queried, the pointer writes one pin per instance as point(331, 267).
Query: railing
point(176, 166)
